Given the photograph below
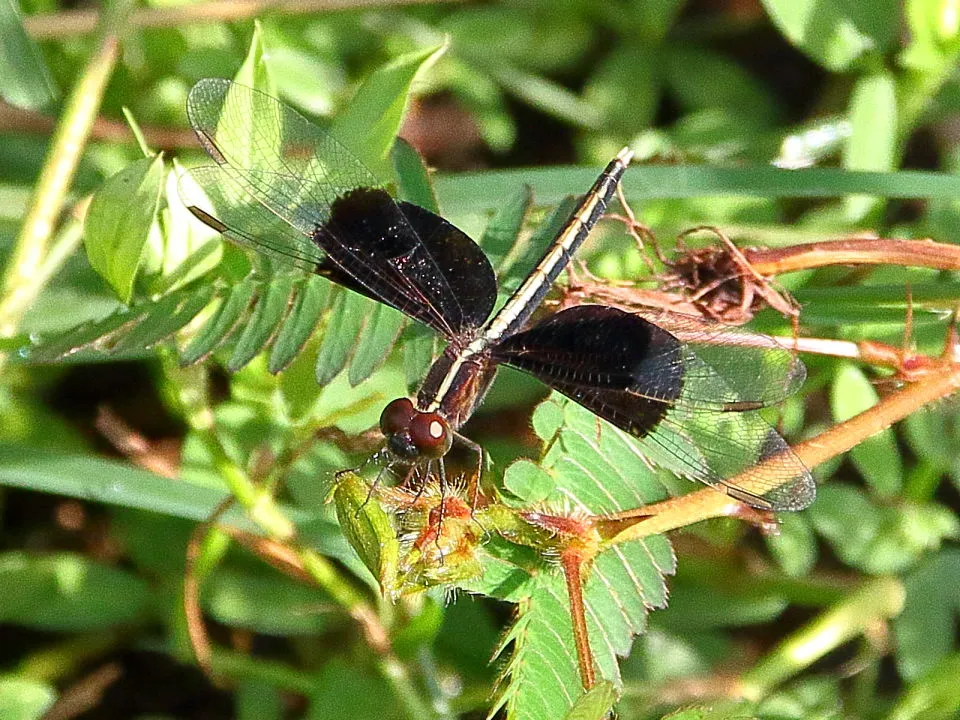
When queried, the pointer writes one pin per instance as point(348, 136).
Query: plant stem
point(679, 512)
point(20, 282)
point(71, 23)
point(875, 601)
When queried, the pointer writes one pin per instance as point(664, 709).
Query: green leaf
point(367, 695)
point(545, 95)
point(595, 703)
point(266, 602)
point(419, 345)
point(189, 249)
point(837, 34)
point(371, 122)
point(300, 323)
point(936, 696)
point(873, 120)
point(62, 591)
point(127, 331)
point(728, 710)
point(927, 626)
point(877, 457)
point(626, 87)
point(528, 481)
point(412, 176)
point(377, 338)
point(795, 546)
point(503, 230)
point(234, 303)
point(933, 37)
point(530, 37)
point(24, 699)
point(479, 192)
point(24, 78)
point(524, 258)
point(872, 144)
point(342, 329)
point(119, 220)
point(597, 468)
point(730, 87)
point(255, 70)
point(884, 539)
point(166, 317)
point(269, 311)
point(258, 699)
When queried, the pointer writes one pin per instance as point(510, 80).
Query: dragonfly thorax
point(414, 434)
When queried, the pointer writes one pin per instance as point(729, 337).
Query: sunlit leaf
point(371, 121)
point(119, 220)
point(836, 34)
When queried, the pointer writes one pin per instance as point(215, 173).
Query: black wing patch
point(645, 381)
point(287, 189)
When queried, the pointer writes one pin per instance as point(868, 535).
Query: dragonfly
point(285, 188)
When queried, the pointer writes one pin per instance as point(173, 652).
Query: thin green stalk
point(189, 388)
point(21, 281)
point(875, 601)
point(242, 666)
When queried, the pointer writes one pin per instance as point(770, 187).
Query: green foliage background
point(713, 97)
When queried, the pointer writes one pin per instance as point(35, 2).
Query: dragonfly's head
point(413, 434)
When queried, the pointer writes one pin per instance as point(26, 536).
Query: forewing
point(646, 382)
point(276, 168)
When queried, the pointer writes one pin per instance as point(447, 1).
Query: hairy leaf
point(596, 468)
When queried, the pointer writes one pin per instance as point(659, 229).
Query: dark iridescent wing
point(688, 417)
point(287, 189)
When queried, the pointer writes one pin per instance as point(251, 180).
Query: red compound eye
point(397, 416)
point(431, 435)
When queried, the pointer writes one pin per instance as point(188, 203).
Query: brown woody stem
point(701, 505)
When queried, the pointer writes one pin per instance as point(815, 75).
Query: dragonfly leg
point(473, 485)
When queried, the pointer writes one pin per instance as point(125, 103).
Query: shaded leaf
point(936, 696)
point(268, 312)
point(300, 322)
point(926, 628)
point(126, 330)
point(503, 230)
point(234, 303)
point(265, 602)
point(62, 591)
point(258, 699)
point(884, 538)
point(877, 457)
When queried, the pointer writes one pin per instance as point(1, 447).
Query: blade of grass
point(19, 286)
